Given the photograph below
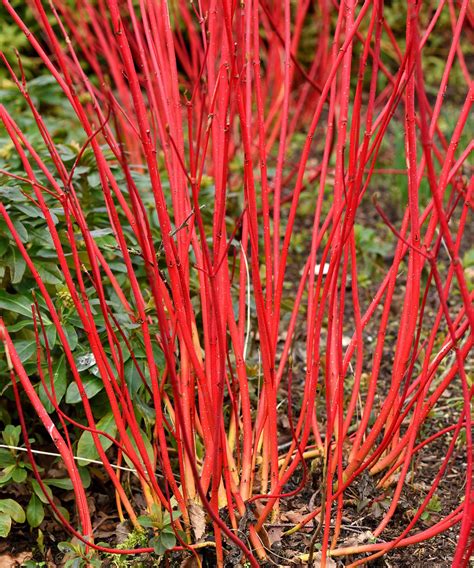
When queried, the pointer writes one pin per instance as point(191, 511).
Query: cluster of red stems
point(200, 84)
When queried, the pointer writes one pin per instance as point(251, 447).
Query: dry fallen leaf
point(91, 504)
point(361, 538)
point(274, 534)
point(7, 561)
point(330, 563)
point(122, 531)
point(189, 562)
point(197, 516)
point(294, 516)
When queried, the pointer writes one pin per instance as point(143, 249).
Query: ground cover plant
point(235, 272)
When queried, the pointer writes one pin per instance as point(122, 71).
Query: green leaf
point(85, 476)
point(40, 542)
point(99, 233)
point(59, 382)
point(51, 335)
point(168, 538)
point(80, 170)
point(66, 153)
point(468, 259)
point(434, 504)
point(25, 348)
point(167, 519)
point(157, 514)
point(60, 483)
point(5, 524)
point(15, 303)
point(6, 458)
point(21, 230)
point(146, 443)
point(85, 361)
point(12, 508)
point(92, 385)
point(86, 447)
point(143, 410)
point(6, 474)
point(145, 521)
point(157, 545)
point(95, 371)
point(11, 435)
point(40, 493)
point(34, 512)
point(94, 179)
point(163, 542)
point(64, 512)
point(133, 379)
point(19, 475)
point(29, 211)
point(49, 272)
point(35, 84)
point(17, 268)
point(19, 325)
point(71, 336)
point(66, 547)
point(4, 244)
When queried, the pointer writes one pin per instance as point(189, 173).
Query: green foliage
point(11, 39)
point(136, 539)
point(35, 511)
point(16, 469)
point(13, 466)
point(75, 556)
point(468, 264)
point(371, 249)
point(433, 507)
point(157, 533)
point(86, 447)
point(17, 283)
point(16, 300)
point(10, 511)
point(161, 523)
point(437, 45)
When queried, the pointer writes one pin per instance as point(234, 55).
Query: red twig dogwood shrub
point(248, 149)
